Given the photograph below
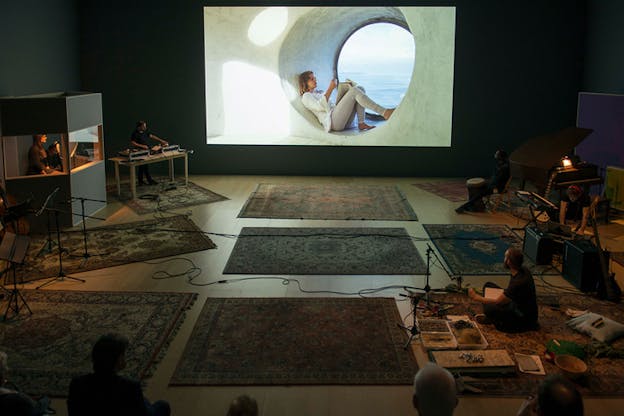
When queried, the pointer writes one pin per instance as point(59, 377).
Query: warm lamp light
point(566, 162)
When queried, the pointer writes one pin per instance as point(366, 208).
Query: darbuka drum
point(475, 187)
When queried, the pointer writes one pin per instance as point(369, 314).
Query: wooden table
point(160, 157)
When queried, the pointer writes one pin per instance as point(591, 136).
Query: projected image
point(367, 76)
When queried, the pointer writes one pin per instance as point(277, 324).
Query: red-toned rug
point(285, 341)
point(49, 347)
point(453, 190)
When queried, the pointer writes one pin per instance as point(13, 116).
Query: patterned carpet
point(285, 341)
point(477, 249)
point(336, 251)
point(117, 244)
point(54, 344)
point(328, 202)
point(454, 190)
point(605, 378)
point(165, 197)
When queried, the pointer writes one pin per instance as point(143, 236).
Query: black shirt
point(105, 395)
point(575, 208)
point(501, 175)
point(521, 291)
point(140, 137)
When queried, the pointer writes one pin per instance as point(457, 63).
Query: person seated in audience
point(13, 402)
point(106, 393)
point(243, 406)
point(497, 181)
point(515, 309)
point(556, 395)
point(574, 207)
point(435, 391)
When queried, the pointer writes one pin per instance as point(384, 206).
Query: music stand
point(13, 249)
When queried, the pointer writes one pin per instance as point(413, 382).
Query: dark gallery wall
point(518, 69)
point(38, 47)
point(604, 63)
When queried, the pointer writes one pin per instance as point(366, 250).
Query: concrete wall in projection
point(251, 84)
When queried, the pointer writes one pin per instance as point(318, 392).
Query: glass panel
point(85, 146)
point(40, 154)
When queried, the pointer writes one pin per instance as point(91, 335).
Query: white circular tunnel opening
point(314, 43)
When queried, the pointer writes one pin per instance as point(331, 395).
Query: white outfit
point(352, 100)
point(316, 102)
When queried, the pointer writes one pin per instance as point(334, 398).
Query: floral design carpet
point(113, 245)
point(334, 251)
point(286, 341)
point(165, 196)
point(454, 190)
point(478, 249)
point(49, 347)
point(605, 377)
point(328, 202)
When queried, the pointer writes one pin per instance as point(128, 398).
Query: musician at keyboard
point(574, 207)
point(139, 140)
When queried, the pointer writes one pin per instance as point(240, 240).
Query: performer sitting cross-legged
point(515, 309)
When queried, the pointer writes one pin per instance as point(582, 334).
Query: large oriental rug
point(54, 344)
point(165, 196)
point(335, 251)
point(477, 249)
point(328, 202)
point(296, 341)
point(113, 245)
point(605, 377)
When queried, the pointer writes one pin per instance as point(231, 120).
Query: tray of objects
point(468, 335)
point(436, 334)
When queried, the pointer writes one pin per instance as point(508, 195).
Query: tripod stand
point(61, 274)
point(13, 249)
point(413, 330)
point(85, 256)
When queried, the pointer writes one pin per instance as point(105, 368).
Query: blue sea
point(384, 87)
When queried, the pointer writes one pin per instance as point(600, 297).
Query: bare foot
point(364, 126)
point(388, 113)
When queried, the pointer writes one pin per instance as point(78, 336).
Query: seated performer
point(351, 101)
point(574, 206)
point(515, 309)
point(497, 181)
point(37, 156)
point(138, 139)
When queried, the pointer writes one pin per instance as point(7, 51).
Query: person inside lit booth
point(44, 159)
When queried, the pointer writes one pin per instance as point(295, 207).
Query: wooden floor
point(221, 218)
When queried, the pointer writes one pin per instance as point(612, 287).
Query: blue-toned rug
point(477, 249)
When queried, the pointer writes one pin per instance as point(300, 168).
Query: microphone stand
point(61, 274)
point(47, 246)
point(85, 256)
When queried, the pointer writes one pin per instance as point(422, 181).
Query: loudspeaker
point(581, 264)
point(537, 247)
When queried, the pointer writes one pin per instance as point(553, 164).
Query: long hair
point(37, 140)
point(303, 81)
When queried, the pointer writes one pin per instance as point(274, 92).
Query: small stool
point(475, 187)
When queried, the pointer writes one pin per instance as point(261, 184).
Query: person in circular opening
point(351, 101)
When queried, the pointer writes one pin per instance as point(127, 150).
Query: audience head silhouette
point(435, 393)
point(109, 354)
point(558, 396)
point(243, 406)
